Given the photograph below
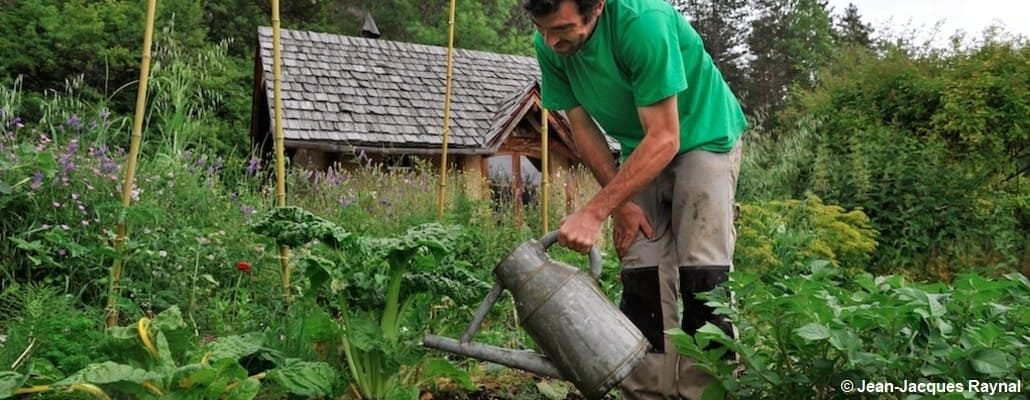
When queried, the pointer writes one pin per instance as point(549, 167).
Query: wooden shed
point(347, 97)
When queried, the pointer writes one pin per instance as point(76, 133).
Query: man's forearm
point(592, 147)
point(654, 152)
point(651, 156)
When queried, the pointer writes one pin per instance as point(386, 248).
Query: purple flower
point(216, 167)
point(108, 165)
point(104, 114)
point(253, 166)
point(17, 123)
point(37, 181)
point(74, 122)
point(247, 210)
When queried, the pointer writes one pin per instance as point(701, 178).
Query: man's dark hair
point(541, 8)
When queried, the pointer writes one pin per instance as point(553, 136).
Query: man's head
point(565, 24)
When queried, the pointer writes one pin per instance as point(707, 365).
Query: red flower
point(243, 266)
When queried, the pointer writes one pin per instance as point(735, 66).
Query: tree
point(723, 28)
point(790, 40)
point(48, 42)
point(851, 30)
point(488, 25)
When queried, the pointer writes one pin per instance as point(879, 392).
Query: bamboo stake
point(545, 184)
point(280, 151)
point(130, 170)
point(446, 113)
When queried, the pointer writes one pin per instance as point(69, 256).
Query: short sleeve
point(650, 51)
point(556, 91)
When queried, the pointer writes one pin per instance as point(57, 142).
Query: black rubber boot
point(694, 280)
point(642, 304)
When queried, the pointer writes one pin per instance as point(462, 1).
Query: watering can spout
point(520, 359)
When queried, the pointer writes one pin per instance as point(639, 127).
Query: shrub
point(777, 238)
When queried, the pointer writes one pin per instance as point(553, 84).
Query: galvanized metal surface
point(587, 339)
point(521, 359)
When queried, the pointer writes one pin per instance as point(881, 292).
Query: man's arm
point(591, 145)
point(659, 146)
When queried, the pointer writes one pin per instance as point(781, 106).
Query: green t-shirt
point(641, 52)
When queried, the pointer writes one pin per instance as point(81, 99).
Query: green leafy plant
point(375, 282)
point(158, 358)
point(805, 334)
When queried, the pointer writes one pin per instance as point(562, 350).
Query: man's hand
point(580, 230)
point(629, 219)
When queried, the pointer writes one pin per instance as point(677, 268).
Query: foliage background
point(868, 153)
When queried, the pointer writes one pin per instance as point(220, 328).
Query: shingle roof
point(380, 93)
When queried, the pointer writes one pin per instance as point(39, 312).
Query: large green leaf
point(318, 326)
point(110, 372)
point(294, 227)
point(246, 389)
point(169, 320)
point(814, 331)
point(304, 378)
point(234, 347)
point(714, 391)
point(9, 382)
point(990, 362)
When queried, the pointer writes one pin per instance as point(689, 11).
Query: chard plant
point(371, 285)
point(159, 359)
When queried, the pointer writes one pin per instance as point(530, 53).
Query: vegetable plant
point(371, 285)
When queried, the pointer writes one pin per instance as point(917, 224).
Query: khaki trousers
point(691, 206)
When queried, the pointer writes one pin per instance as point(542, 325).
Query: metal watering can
point(584, 338)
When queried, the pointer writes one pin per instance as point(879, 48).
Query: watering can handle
point(595, 255)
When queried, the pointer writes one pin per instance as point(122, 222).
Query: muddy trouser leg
point(649, 293)
point(702, 213)
point(690, 205)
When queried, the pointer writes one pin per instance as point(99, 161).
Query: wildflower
point(162, 253)
point(74, 122)
point(253, 166)
point(56, 204)
point(243, 266)
point(37, 181)
point(43, 141)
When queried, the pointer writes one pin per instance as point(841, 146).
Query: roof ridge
point(370, 42)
